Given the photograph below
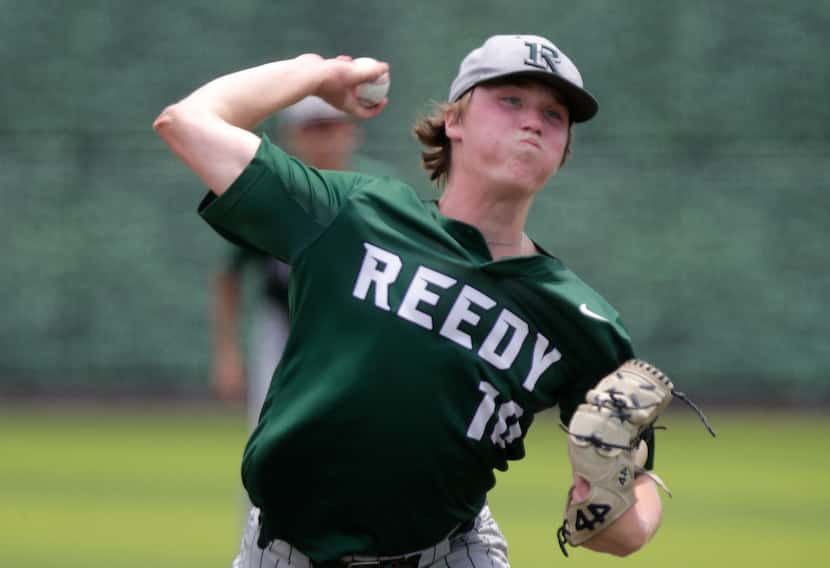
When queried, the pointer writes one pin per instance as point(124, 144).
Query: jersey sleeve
point(604, 347)
point(277, 205)
point(610, 348)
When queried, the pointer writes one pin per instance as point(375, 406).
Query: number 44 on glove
point(606, 444)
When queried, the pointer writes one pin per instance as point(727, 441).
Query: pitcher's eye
point(553, 114)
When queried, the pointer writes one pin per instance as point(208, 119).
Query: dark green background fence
point(697, 201)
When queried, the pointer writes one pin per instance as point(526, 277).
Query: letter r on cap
point(542, 56)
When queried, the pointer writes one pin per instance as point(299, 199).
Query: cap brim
point(581, 104)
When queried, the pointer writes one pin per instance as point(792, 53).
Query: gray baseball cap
point(310, 109)
point(529, 56)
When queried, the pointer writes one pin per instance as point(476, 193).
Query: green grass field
point(128, 486)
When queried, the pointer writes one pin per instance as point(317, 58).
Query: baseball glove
point(607, 448)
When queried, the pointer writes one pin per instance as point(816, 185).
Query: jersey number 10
point(502, 434)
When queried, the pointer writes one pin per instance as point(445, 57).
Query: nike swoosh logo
point(591, 314)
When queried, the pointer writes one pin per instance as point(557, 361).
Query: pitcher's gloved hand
point(607, 448)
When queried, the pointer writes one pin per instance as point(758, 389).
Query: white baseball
point(371, 93)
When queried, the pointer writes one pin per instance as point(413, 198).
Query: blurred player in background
point(325, 138)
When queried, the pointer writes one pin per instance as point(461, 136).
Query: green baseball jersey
point(415, 362)
point(275, 273)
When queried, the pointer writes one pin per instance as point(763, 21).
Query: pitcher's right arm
point(210, 130)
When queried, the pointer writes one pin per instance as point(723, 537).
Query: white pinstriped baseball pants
point(481, 547)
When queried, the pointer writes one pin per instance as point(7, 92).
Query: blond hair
point(430, 131)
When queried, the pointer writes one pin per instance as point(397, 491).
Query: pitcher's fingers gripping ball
point(373, 92)
point(606, 446)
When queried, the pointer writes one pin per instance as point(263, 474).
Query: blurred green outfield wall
point(697, 201)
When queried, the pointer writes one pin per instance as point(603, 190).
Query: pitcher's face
point(513, 134)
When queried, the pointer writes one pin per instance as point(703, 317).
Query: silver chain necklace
point(507, 244)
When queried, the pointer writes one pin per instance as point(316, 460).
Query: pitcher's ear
point(452, 124)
